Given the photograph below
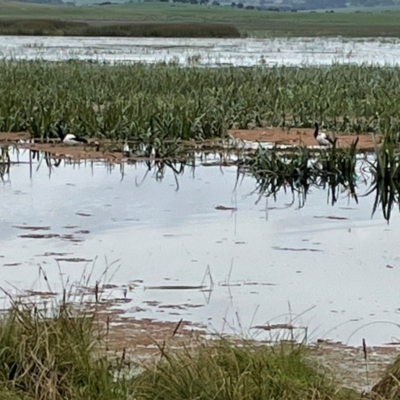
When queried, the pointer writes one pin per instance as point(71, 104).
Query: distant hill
point(271, 5)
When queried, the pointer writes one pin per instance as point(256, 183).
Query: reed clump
point(53, 27)
point(336, 169)
point(274, 170)
point(55, 357)
point(299, 169)
point(385, 171)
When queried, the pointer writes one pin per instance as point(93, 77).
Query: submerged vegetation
point(301, 169)
point(133, 101)
point(52, 27)
point(334, 169)
point(293, 170)
point(385, 172)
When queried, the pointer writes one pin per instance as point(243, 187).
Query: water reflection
point(310, 266)
point(293, 171)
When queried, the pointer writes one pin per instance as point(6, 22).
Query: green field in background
point(252, 22)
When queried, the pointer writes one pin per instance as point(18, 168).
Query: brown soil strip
point(180, 306)
point(140, 337)
point(300, 137)
point(33, 228)
point(70, 238)
point(43, 295)
point(331, 217)
point(81, 214)
point(224, 208)
point(63, 152)
point(14, 136)
point(50, 254)
point(78, 152)
point(294, 249)
point(294, 137)
point(274, 327)
point(177, 287)
point(40, 236)
point(258, 284)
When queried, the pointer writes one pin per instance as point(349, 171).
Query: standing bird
point(69, 139)
point(322, 138)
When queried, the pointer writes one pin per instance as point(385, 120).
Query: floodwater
point(205, 52)
point(332, 269)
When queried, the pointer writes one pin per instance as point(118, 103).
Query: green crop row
point(165, 100)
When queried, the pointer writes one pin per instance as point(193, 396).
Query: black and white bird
point(69, 139)
point(322, 138)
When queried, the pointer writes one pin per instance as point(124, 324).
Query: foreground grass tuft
point(388, 387)
point(51, 358)
point(229, 371)
point(64, 357)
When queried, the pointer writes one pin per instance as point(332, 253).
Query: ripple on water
point(225, 270)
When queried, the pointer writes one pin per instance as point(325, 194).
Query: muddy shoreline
point(301, 137)
point(105, 150)
point(143, 338)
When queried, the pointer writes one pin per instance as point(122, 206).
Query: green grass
point(223, 371)
point(388, 388)
point(247, 21)
point(64, 357)
point(144, 103)
point(52, 358)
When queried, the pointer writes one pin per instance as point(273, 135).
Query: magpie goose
point(69, 139)
point(322, 138)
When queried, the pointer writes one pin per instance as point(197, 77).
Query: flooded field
point(205, 52)
point(200, 248)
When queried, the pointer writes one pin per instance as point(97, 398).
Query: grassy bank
point(49, 27)
point(253, 22)
point(141, 102)
point(60, 351)
point(65, 357)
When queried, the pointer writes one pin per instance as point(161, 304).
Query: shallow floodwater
point(205, 52)
point(331, 269)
